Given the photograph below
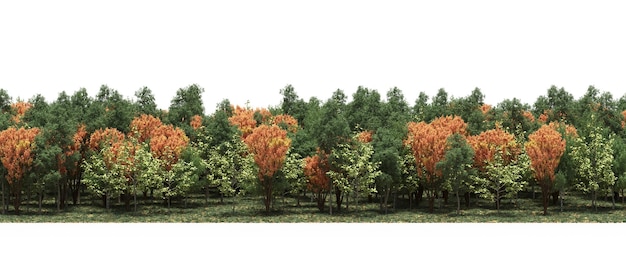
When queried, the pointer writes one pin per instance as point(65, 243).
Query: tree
point(104, 177)
point(167, 143)
point(316, 169)
point(269, 146)
point(363, 112)
point(545, 148)
point(593, 156)
point(353, 170)
point(501, 179)
point(180, 178)
point(487, 146)
point(428, 143)
point(291, 104)
point(294, 177)
point(111, 110)
point(457, 165)
point(230, 168)
point(16, 147)
point(145, 102)
point(144, 127)
point(619, 165)
point(186, 104)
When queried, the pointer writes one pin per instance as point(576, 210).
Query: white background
point(249, 50)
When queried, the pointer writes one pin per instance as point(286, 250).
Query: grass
point(577, 209)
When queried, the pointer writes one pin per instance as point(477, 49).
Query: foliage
point(268, 145)
point(428, 143)
point(593, 156)
point(316, 169)
point(456, 166)
point(16, 146)
point(545, 148)
point(501, 179)
point(353, 170)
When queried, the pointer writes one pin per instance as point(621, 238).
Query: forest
point(335, 154)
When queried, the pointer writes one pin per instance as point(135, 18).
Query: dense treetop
point(345, 147)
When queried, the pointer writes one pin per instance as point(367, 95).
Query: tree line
point(335, 152)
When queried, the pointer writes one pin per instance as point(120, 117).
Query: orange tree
point(69, 161)
point(15, 152)
point(494, 150)
point(316, 169)
point(269, 146)
point(428, 144)
point(545, 148)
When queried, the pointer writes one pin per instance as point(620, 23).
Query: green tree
point(353, 171)
point(332, 129)
point(502, 180)
point(230, 169)
point(145, 102)
point(363, 112)
point(103, 178)
point(457, 166)
point(421, 108)
point(186, 104)
point(593, 156)
point(292, 105)
point(619, 166)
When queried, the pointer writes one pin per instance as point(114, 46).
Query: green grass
point(577, 209)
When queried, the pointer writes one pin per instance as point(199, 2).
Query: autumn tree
point(545, 148)
point(487, 146)
point(428, 143)
point(269, 146)
point(16, 155)
point(316, 169)
point(144, 127)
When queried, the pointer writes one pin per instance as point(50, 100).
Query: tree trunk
point(3, 202)
point(135, 195)
point(28, 198)
point(561, 196)
point(467, 199)
point(127, 200)
point(40, 198)
point(387, 199)
point(458, 203)
point(338, 198)
point(445, 197)
point(593, 200)
point(498, 200)
point(206, 196)
point(555, 197)
point(58, 198)
point(420, 194)
point(431, 204)
point(613, 200)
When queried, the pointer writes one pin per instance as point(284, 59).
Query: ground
point(577, 209)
